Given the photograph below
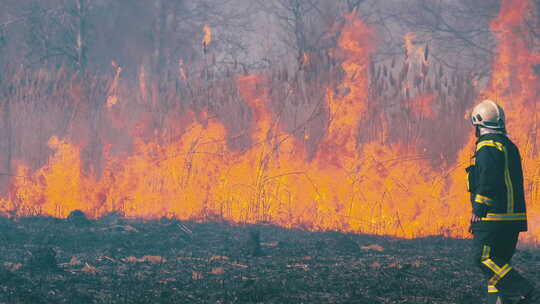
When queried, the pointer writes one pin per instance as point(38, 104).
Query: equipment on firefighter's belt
point(489, 115)
point(471, 179)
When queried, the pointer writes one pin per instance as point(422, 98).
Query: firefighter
point(495, 182)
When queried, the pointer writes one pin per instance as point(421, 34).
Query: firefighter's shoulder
point(487, 144)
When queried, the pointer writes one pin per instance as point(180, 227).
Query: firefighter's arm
point(490, 170)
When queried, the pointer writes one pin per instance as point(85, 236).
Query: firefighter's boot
point(497, 298)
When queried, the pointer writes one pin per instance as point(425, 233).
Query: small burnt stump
point(78, 218)
point(254, 243)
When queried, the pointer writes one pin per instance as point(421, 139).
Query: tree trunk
point(299, 30)
point(159, 56)
point(9, 144)
point(81, 35)
point(354, 4)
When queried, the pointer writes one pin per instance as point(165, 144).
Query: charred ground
point(118, 260)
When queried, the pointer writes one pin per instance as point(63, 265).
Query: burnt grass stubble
point(119, 260)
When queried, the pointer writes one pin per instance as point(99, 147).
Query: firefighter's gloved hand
point(474, 219)
point(480, 210)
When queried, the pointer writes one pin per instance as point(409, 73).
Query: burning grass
point(345, 143)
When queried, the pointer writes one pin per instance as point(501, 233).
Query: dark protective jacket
point(496, 185)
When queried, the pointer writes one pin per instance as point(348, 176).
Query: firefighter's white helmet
point(488, 114)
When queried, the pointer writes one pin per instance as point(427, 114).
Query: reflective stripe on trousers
point(499, 271)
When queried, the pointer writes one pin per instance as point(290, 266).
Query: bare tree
point(458, 30)
point(59, 31)
point(230, 22)
point(301, 21)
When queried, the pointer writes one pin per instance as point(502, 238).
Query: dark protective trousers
point(492, 252)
